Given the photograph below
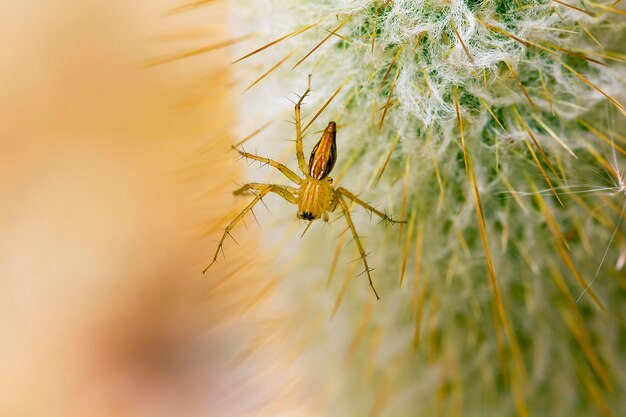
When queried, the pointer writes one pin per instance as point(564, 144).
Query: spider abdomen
point(314, 199)
point(324, 153)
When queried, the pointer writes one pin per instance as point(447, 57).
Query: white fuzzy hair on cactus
point(447, 110)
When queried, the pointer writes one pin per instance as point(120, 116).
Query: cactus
point(495, 129)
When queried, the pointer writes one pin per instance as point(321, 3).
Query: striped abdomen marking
point(324, 154)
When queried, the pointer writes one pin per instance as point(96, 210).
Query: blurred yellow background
point(111, 175)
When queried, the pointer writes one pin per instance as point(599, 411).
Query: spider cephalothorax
point(315, 195)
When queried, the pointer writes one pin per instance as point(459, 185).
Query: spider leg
point(299, 152)
point(371, 209)
point(262, 189)
point(357, 239)
point(282, 168)
point(284, 191)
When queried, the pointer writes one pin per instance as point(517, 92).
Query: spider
point(314, 195)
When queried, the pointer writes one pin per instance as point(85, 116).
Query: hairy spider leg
point(284, 191)
point(299, 152)
point(263, 190)
point(282, 168)
point(349, 195)
point(357, 239)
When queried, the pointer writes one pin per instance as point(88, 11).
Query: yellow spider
point(315, 194)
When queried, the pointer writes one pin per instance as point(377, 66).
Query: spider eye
point(330, 180)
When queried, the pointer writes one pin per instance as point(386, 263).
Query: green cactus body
point(493, 128)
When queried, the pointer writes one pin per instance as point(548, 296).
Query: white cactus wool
point(495, 129)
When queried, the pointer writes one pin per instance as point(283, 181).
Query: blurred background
point(111, 175)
